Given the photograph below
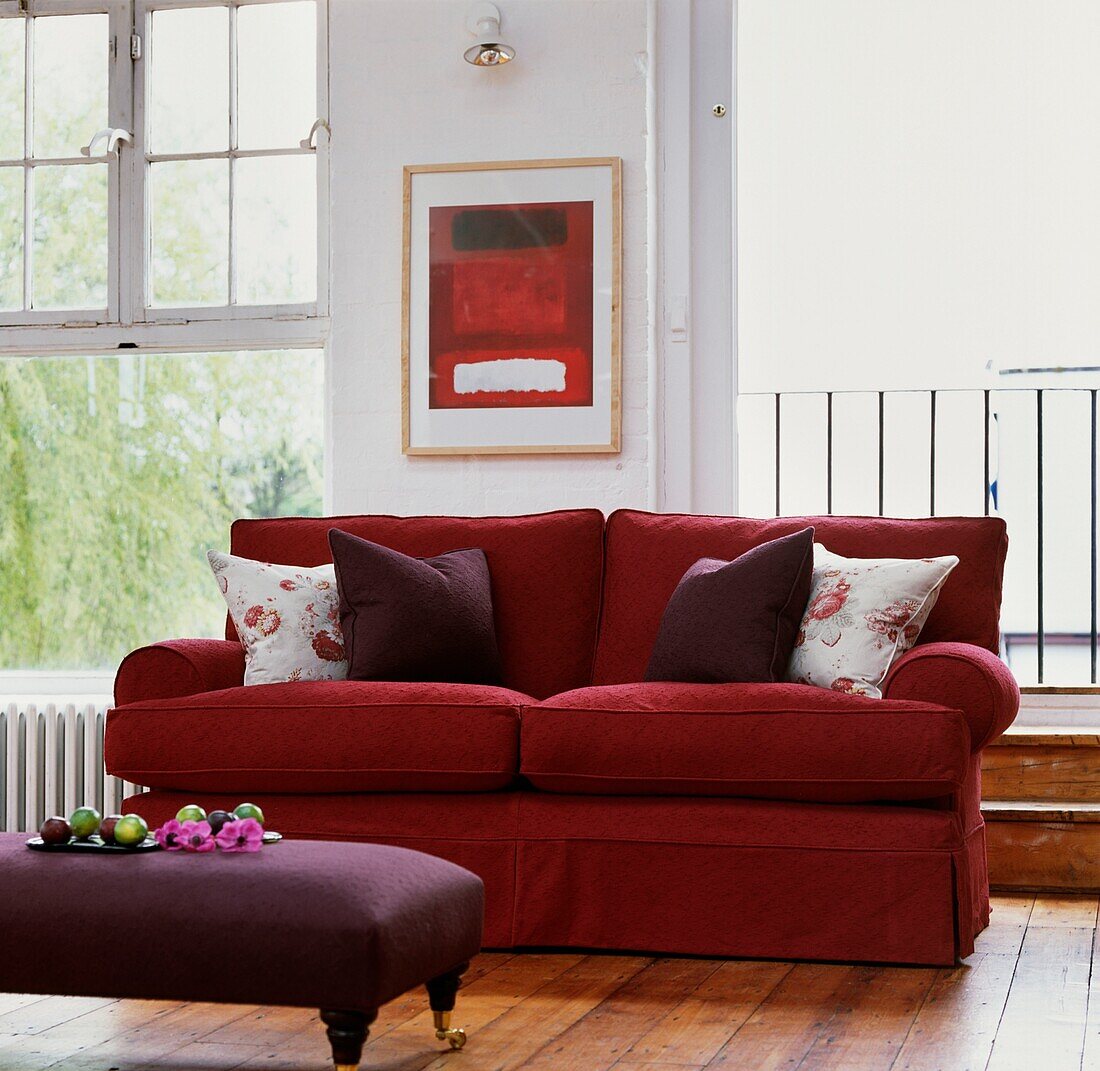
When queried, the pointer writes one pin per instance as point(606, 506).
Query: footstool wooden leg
point(441, 997)
point(347, 1032)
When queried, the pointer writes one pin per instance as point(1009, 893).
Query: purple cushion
point(736, 622)
point(415, 619)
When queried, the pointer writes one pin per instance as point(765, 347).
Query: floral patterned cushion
point(863, 614)
point(287, 617)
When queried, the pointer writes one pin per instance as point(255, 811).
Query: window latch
point(309, 142)
point(113, 138)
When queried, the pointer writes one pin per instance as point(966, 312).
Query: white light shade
point(490, 51)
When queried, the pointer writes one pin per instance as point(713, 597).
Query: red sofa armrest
point(175, 668)
point(961, 676)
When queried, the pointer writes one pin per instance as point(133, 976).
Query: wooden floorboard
point(789, 1021)
point(1043, 1023)
point(872, 1022)
point(1024, 1000)
point(1090, 1060)
point(607, 1032)
point(691, 1033)
point(957, 1023)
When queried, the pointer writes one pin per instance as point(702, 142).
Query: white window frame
point(128, 322)
point(29, 9)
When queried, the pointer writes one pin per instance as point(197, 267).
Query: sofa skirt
point(677, 875)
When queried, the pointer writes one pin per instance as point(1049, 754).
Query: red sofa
point(743, 820)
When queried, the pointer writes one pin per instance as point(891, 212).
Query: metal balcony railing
point(1026, 454)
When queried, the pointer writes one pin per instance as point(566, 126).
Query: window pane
point(190, 226)
point(189, 80)
point(276, 229)
point(70, 237)
point(276, 74)
point(120, 474)
point(11, 237)
point(70, 82)
point(12, 40)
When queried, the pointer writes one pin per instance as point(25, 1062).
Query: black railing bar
point(881, 451)
point(1092, 571)
point(985, 456)
point(778, 433)
point(931, 453)
point(829, 450)
point(1053, 639)
point(1039, 630)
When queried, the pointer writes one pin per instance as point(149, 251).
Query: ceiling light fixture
point(490, 51)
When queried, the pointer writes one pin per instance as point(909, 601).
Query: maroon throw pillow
point(736, 622)
point(415, 619)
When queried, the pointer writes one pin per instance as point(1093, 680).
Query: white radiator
point(51, 762)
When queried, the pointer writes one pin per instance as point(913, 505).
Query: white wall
point(917, 189)
point(401, 94)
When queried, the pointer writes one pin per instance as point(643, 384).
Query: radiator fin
point(51, 762)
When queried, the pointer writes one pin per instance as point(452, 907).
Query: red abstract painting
point(510, 305)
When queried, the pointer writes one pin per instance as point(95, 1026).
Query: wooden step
point(1043, 764)
point(1043, 846)
point(1033, 811)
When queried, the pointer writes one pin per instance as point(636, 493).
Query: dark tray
point(95, 844)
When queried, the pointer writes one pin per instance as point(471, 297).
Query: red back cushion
point(545, 571)
point(648, 553)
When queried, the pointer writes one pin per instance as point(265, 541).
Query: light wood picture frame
point(511, 333)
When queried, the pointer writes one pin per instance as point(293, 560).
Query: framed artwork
point(511, 334)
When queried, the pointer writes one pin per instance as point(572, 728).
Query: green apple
point(107, 828)
point(249, 810)
point(130, 830)
point(191, 813)
point(84, 822)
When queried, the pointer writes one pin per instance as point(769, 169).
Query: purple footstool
point(335, 926)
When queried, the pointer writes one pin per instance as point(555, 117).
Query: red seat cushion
point(321, 736)
point(545, 571)
point(648, 553)
point(773, 741)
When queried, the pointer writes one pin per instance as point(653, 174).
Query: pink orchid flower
point(244, 835)
point(196, 837)
point(168, 836)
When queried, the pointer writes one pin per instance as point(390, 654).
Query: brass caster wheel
point(455, 1037)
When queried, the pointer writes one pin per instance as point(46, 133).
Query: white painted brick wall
point(401, 94)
